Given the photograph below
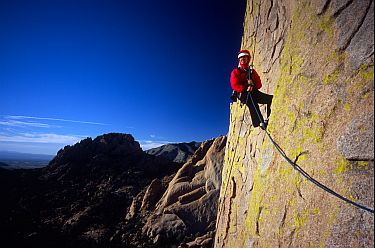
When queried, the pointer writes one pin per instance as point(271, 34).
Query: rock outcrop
point(317, 59)
point(179, 153)
point(82, 198)
point(102, 192)
point(189, 205)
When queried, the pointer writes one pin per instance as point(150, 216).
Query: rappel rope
point(293, 164)
point(305, 174)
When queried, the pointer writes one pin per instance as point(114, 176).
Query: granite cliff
point(317, 59)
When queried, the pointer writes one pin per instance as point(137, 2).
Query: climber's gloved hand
point(251, 85)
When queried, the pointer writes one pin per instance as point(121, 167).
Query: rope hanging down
point(304, 173)
point(293, 164)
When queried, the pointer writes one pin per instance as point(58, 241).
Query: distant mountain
point(3, 164)
point(10, 155)
point(17, 160)
point(178, 153)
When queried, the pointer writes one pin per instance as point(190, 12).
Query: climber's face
point(244, 60)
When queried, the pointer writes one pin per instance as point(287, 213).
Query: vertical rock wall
point(317, 59)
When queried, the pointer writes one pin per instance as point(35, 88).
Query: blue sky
point(158, 70)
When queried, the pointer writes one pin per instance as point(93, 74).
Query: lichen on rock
point(320, 69)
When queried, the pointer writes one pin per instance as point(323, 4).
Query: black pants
point(258, 98)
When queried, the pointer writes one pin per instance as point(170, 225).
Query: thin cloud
point(17, 117)
point(149, 144)
point(13, 123)
point(42, 138)
point(156, 137)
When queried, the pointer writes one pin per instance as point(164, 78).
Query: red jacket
point(238, 79)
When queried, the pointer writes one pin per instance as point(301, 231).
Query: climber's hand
point(251, 85)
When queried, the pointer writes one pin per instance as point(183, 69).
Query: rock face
point(189, 205)
point(317, 59)
point(178, 153)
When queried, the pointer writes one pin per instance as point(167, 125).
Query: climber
point(245, 80)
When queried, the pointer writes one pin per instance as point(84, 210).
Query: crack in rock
point(323, 8)
point(349, 24)
point(233, 195)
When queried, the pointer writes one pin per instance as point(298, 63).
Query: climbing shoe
point(264, 124)
point(234, 96)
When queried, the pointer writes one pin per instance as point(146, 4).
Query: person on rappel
point(245, 80)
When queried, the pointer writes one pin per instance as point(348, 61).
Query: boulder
point(152, 195)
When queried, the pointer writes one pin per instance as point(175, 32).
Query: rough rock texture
point(179, 153)
point(357, 142)
point(189, 205)
point(317, 59)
